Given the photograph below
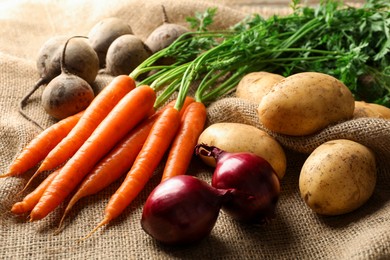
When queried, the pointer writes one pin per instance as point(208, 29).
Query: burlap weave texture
point(296, 233)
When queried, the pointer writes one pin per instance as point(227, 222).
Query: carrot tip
point(30, 180)
point(60, 224)
point(17, 208)
point(10, 174)
point(31, 219)
point(58, 230)
point(105, 221)
point(34, 217)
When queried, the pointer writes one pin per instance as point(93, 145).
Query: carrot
point(125, 115)
point(181, 151)
point(112, 166)
point(118, 161)
point(31, 199)
point(151, 154)
point(38, 148)
point(101, 105)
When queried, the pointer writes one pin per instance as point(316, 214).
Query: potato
point(236, 137)
point(363, 109)
point(338, 177)
point(382, 110)
point(305, 103)
point(255, 85)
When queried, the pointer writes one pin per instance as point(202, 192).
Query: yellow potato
point(305, 103)
point(236, 137)
point(255, 85)
point(382, 110)
point(338, 177)
point(363, 109)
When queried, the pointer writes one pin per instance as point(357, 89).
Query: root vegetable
point(305, 103)
point(49, 56)
point(182, 148)
point(164, 35)
point(31, 199)
point(104, 33)
point(384, 111)
point(237, 137)
point(118, 161)
point(125, 54)
point(338, 177)
point(255, 85)
point(254, 185)
point(48, 67)
point(363, 109)
point(94, 114)
point(182, 210)
point(41, 145)
point(137, 103)
point(67, 94)
point(81, 60)
point(156, 145)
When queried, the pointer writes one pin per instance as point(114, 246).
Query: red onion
point(254, 184)
point(182, 210)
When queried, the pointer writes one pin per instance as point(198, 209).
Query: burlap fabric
point(296, 233)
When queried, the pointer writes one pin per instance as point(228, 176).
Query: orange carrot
point(41, 145)
point(31, 199)
point(118, 161)
point(182, 149)
point(101, 105)
point(112, 166)
point(151, 154)
point(126, 115)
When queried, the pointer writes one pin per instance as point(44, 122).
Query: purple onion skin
point(182, 210)
point(254, 184)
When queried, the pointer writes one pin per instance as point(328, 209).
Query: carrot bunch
point(121, 133)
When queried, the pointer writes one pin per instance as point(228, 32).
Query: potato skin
point(363, 109)
point(366, 109)
point(255, 85)
point(338, 177)
point(237, 137)
point(305, 103)
point(382, 110)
